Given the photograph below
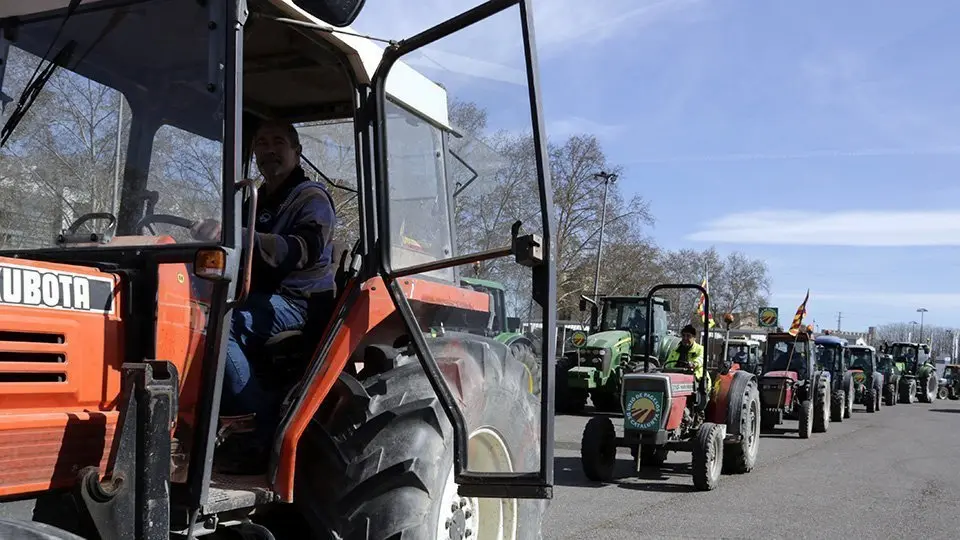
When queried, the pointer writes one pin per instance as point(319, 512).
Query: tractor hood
point(613, 339)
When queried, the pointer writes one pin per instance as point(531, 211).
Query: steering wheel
point(104, 237)
point(164, 218)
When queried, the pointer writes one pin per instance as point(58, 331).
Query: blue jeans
point(261, 317)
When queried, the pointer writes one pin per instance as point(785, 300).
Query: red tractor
point(667, 409)
point(792, 384)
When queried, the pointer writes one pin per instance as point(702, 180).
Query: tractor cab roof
point(290, 72)
point(862, 347)
point(742, 341)
point(787, 336)
point(830, 340)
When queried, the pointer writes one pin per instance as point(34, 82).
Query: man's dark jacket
point(293, 248)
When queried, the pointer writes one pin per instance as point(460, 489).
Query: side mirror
point(666, 305)
point(337, 13)
point(583, 304)
point(513, 324)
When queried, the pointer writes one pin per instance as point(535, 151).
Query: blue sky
point(823, 137)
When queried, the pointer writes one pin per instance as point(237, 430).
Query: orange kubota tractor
point(112, 335)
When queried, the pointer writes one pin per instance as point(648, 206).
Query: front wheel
point(942, 392)
point(806, 419)
point(838, 406)
point(848, 404)
point(870, 400)
point(890, 395)
point(598, 449)
point(928, 388)
point(707, 457)
point(741, 457)
point(382, 466)
point(821, 412)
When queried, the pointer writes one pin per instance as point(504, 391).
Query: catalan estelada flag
point(703, 316)
point(798, 318)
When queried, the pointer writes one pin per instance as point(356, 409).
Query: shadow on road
point(945, 410)
point(657, 487)
point(568, 472)
point(779, 433)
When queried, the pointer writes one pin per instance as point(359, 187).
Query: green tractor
point(867, 379)
point(918, 375)
point(615, 345)
point(891, 377)
point(505, 329)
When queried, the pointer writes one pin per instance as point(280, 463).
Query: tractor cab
point(909, 356)
point(628, 315)
point(789, 356)
point(128, 129)
point(745, 353)
point(830, 354)
point(918, 375)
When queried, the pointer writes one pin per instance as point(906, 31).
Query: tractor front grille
point(646, 401)
point(32, 357)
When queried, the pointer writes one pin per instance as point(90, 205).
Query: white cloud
point(848, 228)
point(575, 125)
point(559, 26)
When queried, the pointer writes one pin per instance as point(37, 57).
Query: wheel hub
point(459, 524)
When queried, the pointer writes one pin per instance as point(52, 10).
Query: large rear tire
point(598, 449)
point(383, 466)
point(523, 352)
point(707, 456)
point(741, 457)
point(33, 530)
point(870, 400)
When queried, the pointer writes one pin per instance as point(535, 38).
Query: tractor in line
point(792, 385)
point(866, 377)
point(616, 344)
point(667, 409)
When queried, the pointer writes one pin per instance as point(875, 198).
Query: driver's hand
point(208, 229)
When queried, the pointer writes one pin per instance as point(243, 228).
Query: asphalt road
point(890, 474)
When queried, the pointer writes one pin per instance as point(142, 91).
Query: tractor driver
point(688, 354)
point(292, 274)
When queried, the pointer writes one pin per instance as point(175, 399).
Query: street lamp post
point(607, 179)
point(921, 311)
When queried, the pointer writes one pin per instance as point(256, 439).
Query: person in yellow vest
point(688, 354)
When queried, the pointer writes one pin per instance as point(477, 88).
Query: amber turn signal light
point(210, 264)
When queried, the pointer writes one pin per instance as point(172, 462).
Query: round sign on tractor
point(643, 409)
point(579, 338)
point(768, 317)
